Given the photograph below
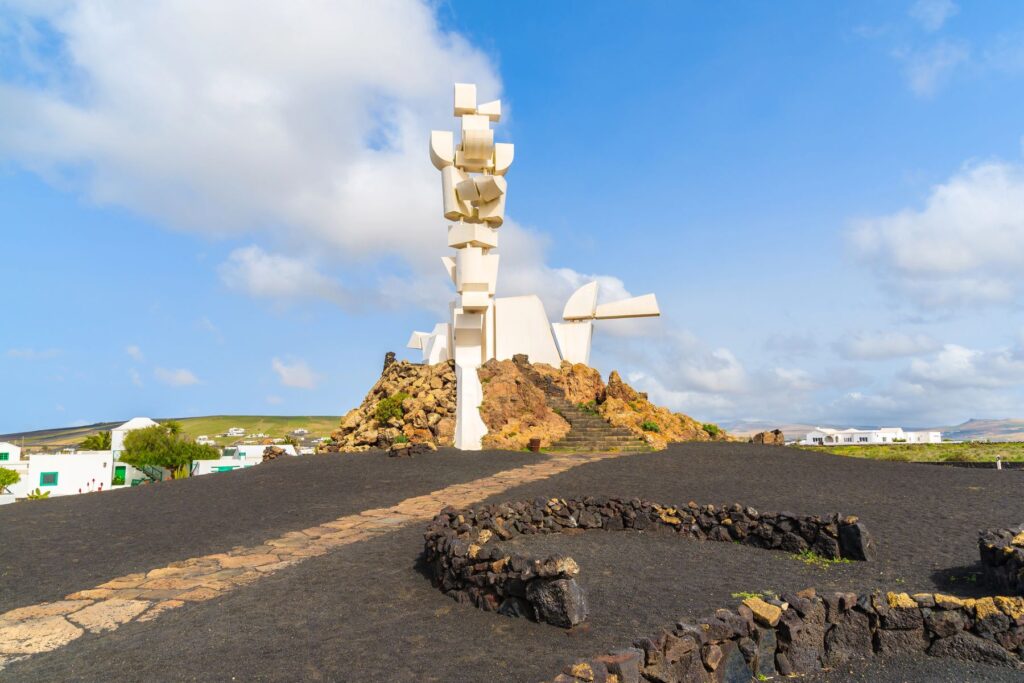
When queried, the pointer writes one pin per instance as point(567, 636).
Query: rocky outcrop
point(273, 453)
point(515, 409)
point(415, 401)
point(772, 438)
point(625, 407)
point(1002, 557)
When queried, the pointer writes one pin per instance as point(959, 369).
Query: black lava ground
point(367, 612)
point(77, 542)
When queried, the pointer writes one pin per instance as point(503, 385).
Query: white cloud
point(33, 354)
point(958, 367)
point(134, 352)
point(274, 400)
point(307, 120)
point(253, 271)
point(928, 68)
point(966, 245)
point(176, 378)
point(883, 345)
point(794, 379)
point(932, 14)
point(295, 373)
point(136, 377)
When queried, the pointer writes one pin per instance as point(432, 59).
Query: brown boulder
point(772, 438)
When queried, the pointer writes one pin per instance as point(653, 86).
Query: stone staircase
point(589, 432)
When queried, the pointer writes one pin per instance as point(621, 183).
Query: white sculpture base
point(469, 394)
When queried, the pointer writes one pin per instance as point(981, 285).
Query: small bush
point(712, 429)
point(588, 407)
point(634, 406)
point(390, 407)
point(649, 426)
point(38, 494)
point(401, 438)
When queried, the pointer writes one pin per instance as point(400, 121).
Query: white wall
point(76, 473)
point(13, 452)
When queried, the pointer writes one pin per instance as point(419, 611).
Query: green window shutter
point(5, 456)
point(48, 478)
point(119, 474)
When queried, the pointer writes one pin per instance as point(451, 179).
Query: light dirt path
point(146, 595)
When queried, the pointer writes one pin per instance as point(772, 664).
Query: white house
point(825, 436)
point(117, 434)
point(9, 453)
point(235, 458)
point(236, 431)
point(63, 474)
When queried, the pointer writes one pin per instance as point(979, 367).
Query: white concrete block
point(504, 153)
point(582, 304)
point(645, 306)
point(574, 340)
point(472, 235)
point(454, 208)
point(521, 326)
point(478, 145)
point(449, 265)
point(442, 148)
point(489, 187)
point(465, 98)
point(492, 110)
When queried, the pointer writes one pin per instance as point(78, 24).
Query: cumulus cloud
point(177, 377)
point(134, 352)
point(136, 377)
point(959, 367)
point(965, 246)
point(883, 345)
point(932, 14)
point(295, 373)
point(253, 271)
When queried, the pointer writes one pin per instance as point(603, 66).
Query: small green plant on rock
point(38, 494)
point(588, 407)
point(649, 426)
point(390, 407)
point(711, 429)
point(809, 557)
point(401, 438)
point(764, 595)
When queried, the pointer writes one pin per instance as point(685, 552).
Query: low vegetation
point(649, 426)
point(390, 408)
point(809, 557)
point(711, 428)
point(8, 478)
point(164, 446)
point(100, 441)
point(930, 452)
point(37, 494)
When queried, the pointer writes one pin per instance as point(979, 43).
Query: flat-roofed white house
point(65, 474)
point(826, 436)
point(9, 453)
point(10, 459)
point(236, 458)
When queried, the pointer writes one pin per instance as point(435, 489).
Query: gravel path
point(367, 613)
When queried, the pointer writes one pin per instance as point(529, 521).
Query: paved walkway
point(48, 626)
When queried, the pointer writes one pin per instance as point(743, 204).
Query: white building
point(236, 431)
point(117, 434)
point(825, 436)
point(235, 458)
point(9, 453)
point(63, 474)
point(10, 459)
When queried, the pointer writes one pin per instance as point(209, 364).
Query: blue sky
point(233, 211)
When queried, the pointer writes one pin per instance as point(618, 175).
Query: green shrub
point(390, 407)
point(712, 429)
point(649, 426)
point(401, 438)
point(588, 407)
point(8, 478)
point(37, 494)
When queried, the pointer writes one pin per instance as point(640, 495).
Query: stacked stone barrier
point(467, 562)
point(1002, 558)
point(804, 632)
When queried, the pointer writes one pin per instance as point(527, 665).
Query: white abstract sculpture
point(481, 326)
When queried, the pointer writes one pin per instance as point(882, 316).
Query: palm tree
point(100, 441)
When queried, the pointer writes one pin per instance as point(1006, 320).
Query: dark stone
point(624, 663)
point(559, 602)
point(733, 667)
point(766, 645)
point(855, 542)
point(944, 623)
point(389, 358)
point(792, 543)
point(900, 642)
point(807, 644)
point(515, 607)
point(897, 618)
point(973, 649)
point(782, 663)
point(826, 546)
point(849, 638)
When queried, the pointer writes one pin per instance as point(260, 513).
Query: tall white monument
point(481, 326)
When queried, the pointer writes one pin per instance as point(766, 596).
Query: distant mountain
point(972, 430)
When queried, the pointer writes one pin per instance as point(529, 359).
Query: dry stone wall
point(1002, 557)
point(468, 563)
point(804, 632)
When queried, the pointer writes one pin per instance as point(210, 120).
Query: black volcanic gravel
point(367, 613)
point(81, 541)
